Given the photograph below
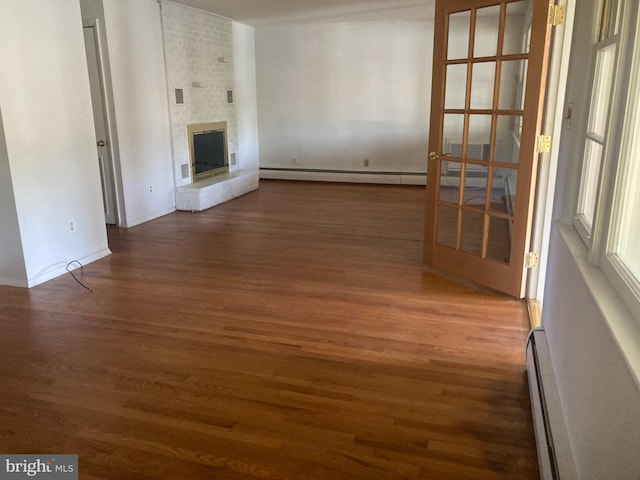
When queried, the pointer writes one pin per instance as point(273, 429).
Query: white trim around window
point(613, 241)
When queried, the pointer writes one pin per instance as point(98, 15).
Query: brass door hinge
point(556, 15)
point(532, 260)
point(543, 143)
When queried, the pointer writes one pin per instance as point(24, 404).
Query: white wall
point(594, 348)
point(333, 95)
point(598, 389)
point(12, 268)
point(246, 96)
point(50, 143)
point(134, 37)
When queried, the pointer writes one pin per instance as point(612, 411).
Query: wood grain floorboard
point(291, 333)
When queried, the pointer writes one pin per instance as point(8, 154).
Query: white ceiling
point(265, 12)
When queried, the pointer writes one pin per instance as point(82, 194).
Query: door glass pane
point(589, 184)
point(447, 226)
point(475, 185)
point(486, 35)
point(458, 42)
point(450, 177)
point(507, 149)
point(479, 137)
point(456, 86)
point(503, 193)
point(603, 76)
point(453, 126)
point(517, 28)
point(472, 232)
point(482, 83)
point(512, 85)
point(499, 240)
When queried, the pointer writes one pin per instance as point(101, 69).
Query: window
point(622, 259)
point(595, 143)
point(607, 213)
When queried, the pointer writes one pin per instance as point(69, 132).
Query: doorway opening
point(106, 153)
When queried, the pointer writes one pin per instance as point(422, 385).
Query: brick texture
point(199, 56)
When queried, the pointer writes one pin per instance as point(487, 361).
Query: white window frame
point(625, 283)
point(585, 231)
point(620, 148)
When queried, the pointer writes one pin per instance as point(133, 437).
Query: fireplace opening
point(208, 149)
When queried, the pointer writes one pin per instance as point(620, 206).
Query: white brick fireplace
point(199, 50)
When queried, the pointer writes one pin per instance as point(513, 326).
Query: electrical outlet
point(366, 162)
point(72, 225)
point(150, 188)
point(294, 159)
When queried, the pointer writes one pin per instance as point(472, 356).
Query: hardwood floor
point(289, 334)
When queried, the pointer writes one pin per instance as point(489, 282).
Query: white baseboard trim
point(392, 178)
point(148, 218)
point(60, 268)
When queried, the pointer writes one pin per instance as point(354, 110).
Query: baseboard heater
point(350, 172)
point(555, 461)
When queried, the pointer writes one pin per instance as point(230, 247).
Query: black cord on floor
point(81, 274)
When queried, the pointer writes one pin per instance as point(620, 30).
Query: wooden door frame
point(553, 124)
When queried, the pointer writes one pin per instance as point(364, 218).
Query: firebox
point(208, 149)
